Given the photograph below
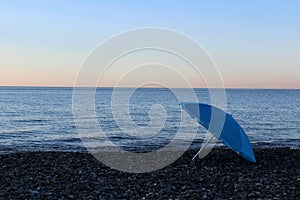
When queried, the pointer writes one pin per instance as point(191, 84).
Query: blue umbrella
point(223, 126)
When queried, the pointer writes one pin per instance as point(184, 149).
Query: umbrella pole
point(203, 147)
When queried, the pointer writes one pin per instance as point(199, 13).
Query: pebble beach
point(221, 174)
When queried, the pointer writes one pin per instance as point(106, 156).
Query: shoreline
point(192, 148)
point(221, 174)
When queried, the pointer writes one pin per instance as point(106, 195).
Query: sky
point(255, 44)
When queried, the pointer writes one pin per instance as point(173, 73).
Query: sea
point(42, 118)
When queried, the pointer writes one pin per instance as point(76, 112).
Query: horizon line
point(109, 87)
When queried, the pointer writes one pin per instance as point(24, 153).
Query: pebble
point(220, 175)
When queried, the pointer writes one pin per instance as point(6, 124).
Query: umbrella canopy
point(223, 126)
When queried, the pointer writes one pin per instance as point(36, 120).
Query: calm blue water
point(37, 118)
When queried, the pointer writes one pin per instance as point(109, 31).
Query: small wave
point(71, 140)
point(30, 120)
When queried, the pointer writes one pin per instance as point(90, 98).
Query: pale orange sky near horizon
point(253, 44)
